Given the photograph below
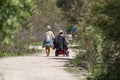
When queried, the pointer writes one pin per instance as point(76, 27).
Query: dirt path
point(37, 67)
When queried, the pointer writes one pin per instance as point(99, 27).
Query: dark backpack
point(60, 42)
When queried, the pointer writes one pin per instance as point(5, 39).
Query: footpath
point(35, 67)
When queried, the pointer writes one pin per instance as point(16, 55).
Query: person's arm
point(65, 43)
point(54, 42)
point(52, 35)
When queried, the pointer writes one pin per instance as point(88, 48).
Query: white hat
point(60, 31)
point(49, 27)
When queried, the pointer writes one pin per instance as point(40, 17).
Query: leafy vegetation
point(32, 17)
point(49, 14)
point(13, 14)
point(108, 21)
point(98, 25)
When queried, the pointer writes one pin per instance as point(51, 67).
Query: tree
point(32, 26)
point(71, 9)
point(13, 13)
point(49, 14)
point(102, 39)
point(106, 18)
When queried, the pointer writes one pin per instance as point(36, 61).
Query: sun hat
point(49, 27)
point(60, 31)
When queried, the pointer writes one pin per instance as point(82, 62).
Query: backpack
point(59, 39)
point(59, 42)
point(47, 39)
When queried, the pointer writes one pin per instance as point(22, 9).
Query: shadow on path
point(61, 58)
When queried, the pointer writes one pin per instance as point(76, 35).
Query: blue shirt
point(73, 29)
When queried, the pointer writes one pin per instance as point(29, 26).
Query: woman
point(48, 41)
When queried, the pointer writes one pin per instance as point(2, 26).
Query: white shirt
point(52, 36)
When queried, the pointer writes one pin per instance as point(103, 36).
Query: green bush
point(89, 49)
point(78, 61)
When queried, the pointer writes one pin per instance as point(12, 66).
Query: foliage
point(108, 18)
point(32, 23)
point(100, 41)
point(71, 9)
point(48, 14)
point(108, 21)
point(13, 14)
point(90, 47)
point(18, 49)
point(77, 61)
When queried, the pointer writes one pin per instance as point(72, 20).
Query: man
point(73, 30)
point(60, 42)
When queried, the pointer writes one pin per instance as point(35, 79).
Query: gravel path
point(36, 67)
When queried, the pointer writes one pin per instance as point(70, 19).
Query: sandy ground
point(35, 67)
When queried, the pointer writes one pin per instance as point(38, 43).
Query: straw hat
point(60, 31)
point(49, 27)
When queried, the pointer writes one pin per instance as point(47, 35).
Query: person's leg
point(48, 50)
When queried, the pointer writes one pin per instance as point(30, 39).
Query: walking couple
point(50, 39)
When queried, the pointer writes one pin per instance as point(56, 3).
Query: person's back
point(48, 40)
point(50, 34)
point(60, 42)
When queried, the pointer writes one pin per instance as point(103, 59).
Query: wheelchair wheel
point(56, 53)
point(67, 53)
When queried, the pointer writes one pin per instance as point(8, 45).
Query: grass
point(78, 72)
point(9, 54)
point(36, 43)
